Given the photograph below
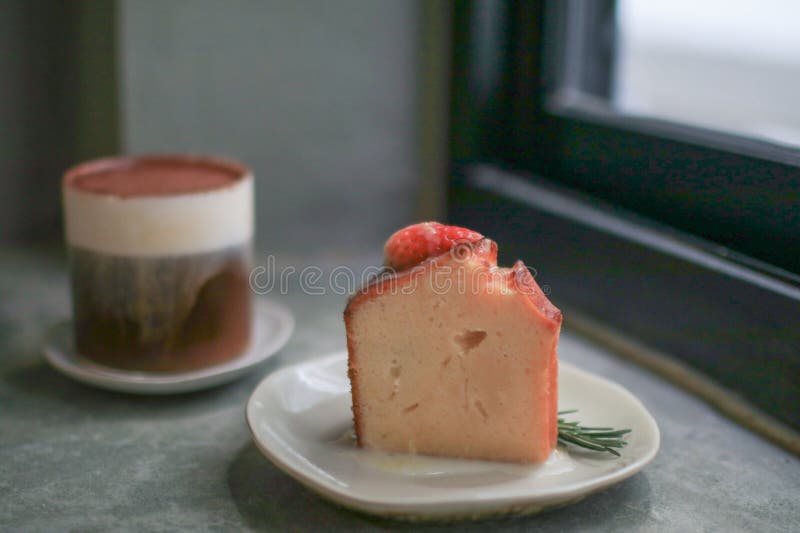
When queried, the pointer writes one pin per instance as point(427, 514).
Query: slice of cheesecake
point(455, 357)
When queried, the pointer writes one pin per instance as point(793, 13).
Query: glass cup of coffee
point(160, 251)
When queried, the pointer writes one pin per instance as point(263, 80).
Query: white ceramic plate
point(301, 420)
point(273, 325)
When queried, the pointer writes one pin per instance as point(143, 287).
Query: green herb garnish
point(598, 439)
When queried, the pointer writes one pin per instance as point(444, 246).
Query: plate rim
point(463, 506)
point(76, 367)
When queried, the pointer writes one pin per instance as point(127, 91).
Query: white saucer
point(301, 420)
point(273, 325)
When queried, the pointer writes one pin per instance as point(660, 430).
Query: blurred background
point(339, 107)
point(728, 65)
point(320, 98)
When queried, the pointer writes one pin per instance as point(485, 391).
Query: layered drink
point(160, 249)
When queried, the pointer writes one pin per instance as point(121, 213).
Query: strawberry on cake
point(451, 355)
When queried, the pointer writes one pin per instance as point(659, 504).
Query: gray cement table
point(77, 458)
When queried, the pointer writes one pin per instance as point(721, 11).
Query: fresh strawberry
point(413, 244)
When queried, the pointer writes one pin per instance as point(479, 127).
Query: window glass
point(729, 65)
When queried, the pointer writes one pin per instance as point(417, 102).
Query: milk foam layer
point(148, 226)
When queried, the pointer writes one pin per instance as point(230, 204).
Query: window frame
point(523, 126)
point(723, 175)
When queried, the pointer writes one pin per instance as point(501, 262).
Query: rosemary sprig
point(592, 438)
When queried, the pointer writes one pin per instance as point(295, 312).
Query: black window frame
point(529, 120)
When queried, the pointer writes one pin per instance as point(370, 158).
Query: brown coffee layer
point(164, 314)
point(154, 175)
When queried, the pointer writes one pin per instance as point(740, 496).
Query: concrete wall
point(318, 97)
